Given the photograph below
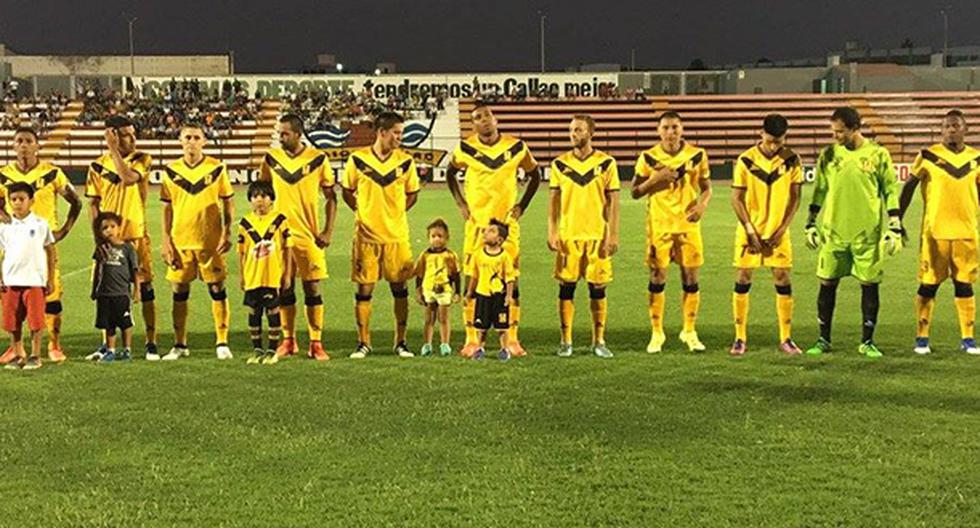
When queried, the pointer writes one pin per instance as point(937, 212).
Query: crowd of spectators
point(319, 109)
point(39, 113)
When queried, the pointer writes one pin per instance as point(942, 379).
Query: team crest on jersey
point(264, 249)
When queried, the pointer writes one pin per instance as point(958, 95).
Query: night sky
point(490, 35)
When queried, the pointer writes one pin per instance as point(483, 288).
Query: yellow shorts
point(473, 242)
point(145, 255)
point(56, 286)
point(780, 256)
point(205, 264)
point(684, 249)
point(941, 259)
point(310, 261)
point(443, 298)
point(583, 258)
point(370, 261)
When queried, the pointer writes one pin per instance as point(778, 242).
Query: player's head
point(954, 128)
point(107, 227)
point(438, 233)
point(125, 130)
point(290, 131)
point(260, 196)
point(773, 135)
point(21, 198)
point(26, 143)
point(845, 123)
point(484, 122)
point(388, 128)
point(496, 233)
point(192, 139)
point(670, 129)
point(580, 130)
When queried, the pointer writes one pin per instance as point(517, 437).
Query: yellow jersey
point(297, 181)
point(949, 191)
point(263, 242)
point(381, 189)
point(48, 181)
point(127, 201)
point(491, 175)
point(667, 209)
point(493, 272)
point(586, 186)
point(438, 271)
point(196, 194)
point(768, 183)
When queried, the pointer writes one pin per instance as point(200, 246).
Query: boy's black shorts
point(491, 312)
point(262, 298)
point(113, 312)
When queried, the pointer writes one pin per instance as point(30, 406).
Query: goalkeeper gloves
point(812, 235)
point(894, 236)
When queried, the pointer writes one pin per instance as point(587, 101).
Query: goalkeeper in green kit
point(855, 189)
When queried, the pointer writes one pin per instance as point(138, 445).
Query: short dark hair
point(438, 223)
point(956, 113)
point(102, 217)
point(501, 228)
point(848, 116)
point(669, 114)
point(480, 103)
point(775, 125)
point(119, 121)
point(295, 122)
point(23, 187)
point(387, 120)
point(261, 188)
point(587, 119)
point(26, 130)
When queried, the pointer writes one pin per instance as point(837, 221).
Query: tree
point(697, 64)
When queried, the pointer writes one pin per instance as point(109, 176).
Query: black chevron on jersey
point(487, 161)
point(269, 232)
point(582, 179)
point(767, 177)
point(297, 175)
point(385, 179)
point(39, 183)
point(194, 187)
point(949, 168)
point(106, 174)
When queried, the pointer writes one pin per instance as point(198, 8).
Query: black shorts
point(491, 312)
point(113, 312)
point(267, 298)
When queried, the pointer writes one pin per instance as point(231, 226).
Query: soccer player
point(855, 188)
point(299, 175)
point(950, 173)
point(197, 220)
point(583, 229)
point(117, 183)
point(491, 162)
point(380, 184)
point(49, 182)
point(765, 196)
point(675, 177)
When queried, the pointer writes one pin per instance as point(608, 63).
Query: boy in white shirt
point(28, 253)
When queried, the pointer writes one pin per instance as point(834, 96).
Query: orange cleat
point(287, 347)
point(516, 350)
point(317, 352)
point(56, 355)
point(468, 350)
point(8, 356)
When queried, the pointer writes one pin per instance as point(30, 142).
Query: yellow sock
point(150, 320)
point(691, 303)
point(362, 314)
point(740, 314)
point(923, 314)
point(53, 324)
point(784, 312)
point(180, 322)
point(314, 320)
point(656, 302)
point(598, 309)
point(515, 318)
point(221, 315)
point(566, 315)
point(288, 312)
point(469, 312)
point(966, 311)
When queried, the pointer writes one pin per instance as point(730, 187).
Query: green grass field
point(641, 440)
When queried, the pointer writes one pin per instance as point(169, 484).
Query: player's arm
point(471, 285)
point(795, 195)
point(412, 187)
point(93, 193)
point(227, 218)
point(74, 210)
point(265, 172)
point(169, 251)
point(554, 218)
point(330, 204)
point(50, 257)
point(697, 209)
point(611, 214)
point(533, 182)
point(648, 179)
point(126, 173)
point(133, 260)
point(509, 299)
point(419, 276)
point(908, 190)
point(348, 183)
point(289, 261)
point(452, 181)
point(819, 186)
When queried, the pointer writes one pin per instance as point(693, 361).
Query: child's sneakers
point(97, 355)
point(125, 355)
point(478, 355)
point(32, 363)
point(177, 352)
point(503, 355)
point(256, 358)
point(426, 350)
point(445, 349)
point(8, 356)
point(108, 357)
point(14, 364)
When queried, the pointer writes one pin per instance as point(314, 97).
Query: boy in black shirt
point(114, 286)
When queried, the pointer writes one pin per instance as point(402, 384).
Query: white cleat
point(656, 343)
point(691, 340)
point(176, 353)
point(922, 346)
point(223, 352)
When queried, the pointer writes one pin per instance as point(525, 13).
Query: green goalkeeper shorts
point(860, 258)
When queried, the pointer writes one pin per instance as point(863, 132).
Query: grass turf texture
point(669, 439)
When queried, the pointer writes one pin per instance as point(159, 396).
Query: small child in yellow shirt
point(437, 285)
point(493, 286)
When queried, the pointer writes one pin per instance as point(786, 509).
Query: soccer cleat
point(256, 358)
point(125, 355)
point(360, 353)
point(789, 348)
point(108, 357)
point(426, 350)
point(270, 357)
point(56, 355)
point(969, 345)
point(287, 347)
point(468, 350)
point(478, 355)
point(402, 351)
point(14, 364)
point(738, 348)
point(503, 355)
point(445, 349)
point(822, 346)
point(8, 356)
point(922, 346)
point(869, 350)
point(317, 352)
point(601, 350)
point(691, 340)
point(32, 363)
point(564, 350)
point(176, 353)
point(152, 354)
point(516, 350)
point(97, 355)
point(656, 343)
point(223, 352)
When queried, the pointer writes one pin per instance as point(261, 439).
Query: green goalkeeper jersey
point(854, 188)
